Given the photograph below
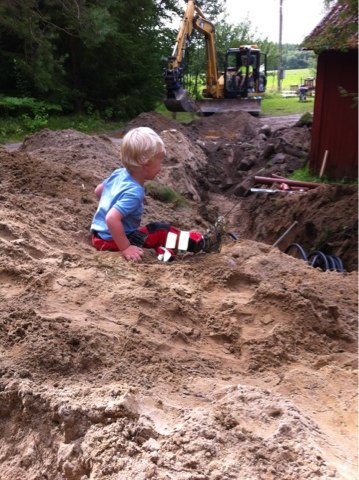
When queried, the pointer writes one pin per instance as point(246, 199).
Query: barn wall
point(335, 121)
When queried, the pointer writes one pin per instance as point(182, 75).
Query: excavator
point(223, 91)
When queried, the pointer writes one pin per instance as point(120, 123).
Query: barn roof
point(337, 31)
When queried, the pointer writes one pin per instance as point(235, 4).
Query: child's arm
point(114, 223)
point(99, 190)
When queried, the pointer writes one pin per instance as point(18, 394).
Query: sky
point(299, 17)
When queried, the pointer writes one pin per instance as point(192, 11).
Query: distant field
point(291, 77)
point(274, 104)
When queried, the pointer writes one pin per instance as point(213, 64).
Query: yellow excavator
point(240, 86)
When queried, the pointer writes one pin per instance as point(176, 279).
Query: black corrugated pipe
point(318, 259)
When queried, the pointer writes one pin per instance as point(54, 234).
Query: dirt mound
point(154, 120)
point(327, 220)
point(240, 364)
point(95, 155)
point(225, 126)
point(184, 166)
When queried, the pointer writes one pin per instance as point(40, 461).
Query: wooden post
point(324, 163)
point(285, 233)
point(280, 47)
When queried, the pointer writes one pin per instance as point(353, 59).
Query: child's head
point(139, 146)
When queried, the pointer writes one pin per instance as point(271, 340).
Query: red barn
point(335, 119)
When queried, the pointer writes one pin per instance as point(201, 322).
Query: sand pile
point(237, 365)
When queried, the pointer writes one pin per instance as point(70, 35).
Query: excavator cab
point(244, 72)
point(223, 92)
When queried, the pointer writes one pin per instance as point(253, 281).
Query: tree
point(102, 54)
point(294, 58)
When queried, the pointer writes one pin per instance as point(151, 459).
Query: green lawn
point(274, 104)
point(291, 77)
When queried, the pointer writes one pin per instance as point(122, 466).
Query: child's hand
point(132, 253)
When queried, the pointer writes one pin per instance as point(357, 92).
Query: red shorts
point(154, 235)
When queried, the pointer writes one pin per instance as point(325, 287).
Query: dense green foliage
point(15, 106)
point(24, 115)
point(85, 54)
point(13, 129)
point(294, 58)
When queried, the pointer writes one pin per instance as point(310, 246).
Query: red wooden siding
point(335, 121)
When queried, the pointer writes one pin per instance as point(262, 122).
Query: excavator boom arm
point(204, 26)
point(193, 19)
point(183, 36)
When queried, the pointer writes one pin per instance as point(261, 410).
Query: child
point(116, 223)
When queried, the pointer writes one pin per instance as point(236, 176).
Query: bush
point(17, 106)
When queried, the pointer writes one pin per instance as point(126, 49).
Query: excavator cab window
point(246, 63)
point(262, 73)
point(232, 61)
point(231, 67)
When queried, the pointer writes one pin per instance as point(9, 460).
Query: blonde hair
point(139, 145)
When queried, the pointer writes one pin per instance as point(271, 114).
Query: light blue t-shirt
point(122, 192)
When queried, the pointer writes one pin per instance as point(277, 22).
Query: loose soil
point(233, 365)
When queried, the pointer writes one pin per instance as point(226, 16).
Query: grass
point(84, 123)
point(304, 175)
point(14, 129)
point(274, 104)
point(292, 77)
point(165, 194)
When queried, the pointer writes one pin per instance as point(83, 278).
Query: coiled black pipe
point(318, 259)
point(299, 248)
point(338, 263)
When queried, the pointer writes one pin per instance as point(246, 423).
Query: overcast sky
point(299, 17)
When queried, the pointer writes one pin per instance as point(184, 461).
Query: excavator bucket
point(223, 105)
point(182, 102)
